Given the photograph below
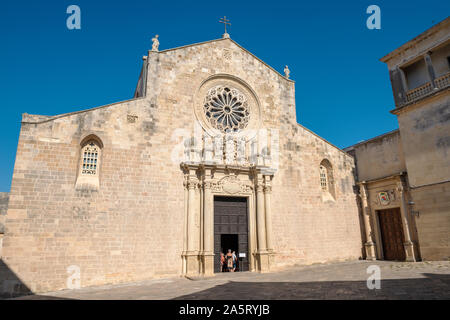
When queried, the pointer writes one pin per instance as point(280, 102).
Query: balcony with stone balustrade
point(427, 89)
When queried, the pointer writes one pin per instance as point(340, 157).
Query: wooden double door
point(231, 230)
point(391, 229)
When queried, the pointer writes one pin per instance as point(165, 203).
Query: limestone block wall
point(425, 130)
point(309, 228)
point(379, 157)
point(433, 221)
point(4, 197)
point(128, 229)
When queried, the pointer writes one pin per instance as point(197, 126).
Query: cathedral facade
point(208, 155)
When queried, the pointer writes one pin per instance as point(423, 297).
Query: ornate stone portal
point(202, 183)
point(386, 193)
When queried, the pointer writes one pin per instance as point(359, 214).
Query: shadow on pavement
point(433, 286)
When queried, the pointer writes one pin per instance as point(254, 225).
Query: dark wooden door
point(230, 218)
point(392, 234)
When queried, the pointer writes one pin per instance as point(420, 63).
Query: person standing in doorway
point(222, 262)
point(234, 261)
point(229, 258)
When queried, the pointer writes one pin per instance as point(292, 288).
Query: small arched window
point(90, 161)
point(326, 178)
point(323, 178)
point(90, 158)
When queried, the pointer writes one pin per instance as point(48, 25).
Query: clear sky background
point(342, 89)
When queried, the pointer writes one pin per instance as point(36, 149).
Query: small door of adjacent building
point(392, 236)
point(231, 230)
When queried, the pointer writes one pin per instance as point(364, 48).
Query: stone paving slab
point(347, 280)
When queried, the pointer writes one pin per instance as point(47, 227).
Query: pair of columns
point(198, 250)
point(430, 72)
point(264, 222)
point(370, 244)
point(191, 248)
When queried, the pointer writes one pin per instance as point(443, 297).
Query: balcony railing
point(422, 91)
point(443, 81)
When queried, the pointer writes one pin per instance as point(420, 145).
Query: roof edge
point(324, 140)
point(408, 44)
point(371, 139)
point(36, 119)
point(241, 47)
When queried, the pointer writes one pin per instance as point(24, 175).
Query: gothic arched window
point(90, 161)
point(90, 158)
point(326, 178)
point(323, 178)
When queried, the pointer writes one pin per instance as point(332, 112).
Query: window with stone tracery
point(226, 108)
point(326, 178)
point(88, 177)
point(323, 178)
point(90, 156)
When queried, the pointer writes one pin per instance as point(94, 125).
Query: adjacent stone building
point(207, 157)
point(404, 175)
point(4, 197)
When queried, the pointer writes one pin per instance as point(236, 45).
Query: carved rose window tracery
point(227, 109)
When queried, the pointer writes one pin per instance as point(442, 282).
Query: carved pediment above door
point(231, 185)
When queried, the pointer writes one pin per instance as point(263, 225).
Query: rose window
point(226, 109)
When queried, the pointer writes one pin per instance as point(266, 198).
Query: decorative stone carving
point(385, 197)
point(231, 185)
point(155, 44)
point(242, 117)
point(227, 54)
point(226, 108)
point(287, 72)
point(131, 118)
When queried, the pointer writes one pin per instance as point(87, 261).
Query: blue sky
point(342, 89)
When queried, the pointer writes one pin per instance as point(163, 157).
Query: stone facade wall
point(426, 142)
point(307, 226)
point(4, 197)
point(379, 157)
point(425, 130)
point(126, 230)
point(433, 222)
point(131, 227)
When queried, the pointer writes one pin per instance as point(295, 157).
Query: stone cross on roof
point(225, 22)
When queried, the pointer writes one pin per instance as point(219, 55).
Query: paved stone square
point(345, 280)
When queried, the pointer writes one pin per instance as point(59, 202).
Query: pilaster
point(369, 244)
point(408, 244)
